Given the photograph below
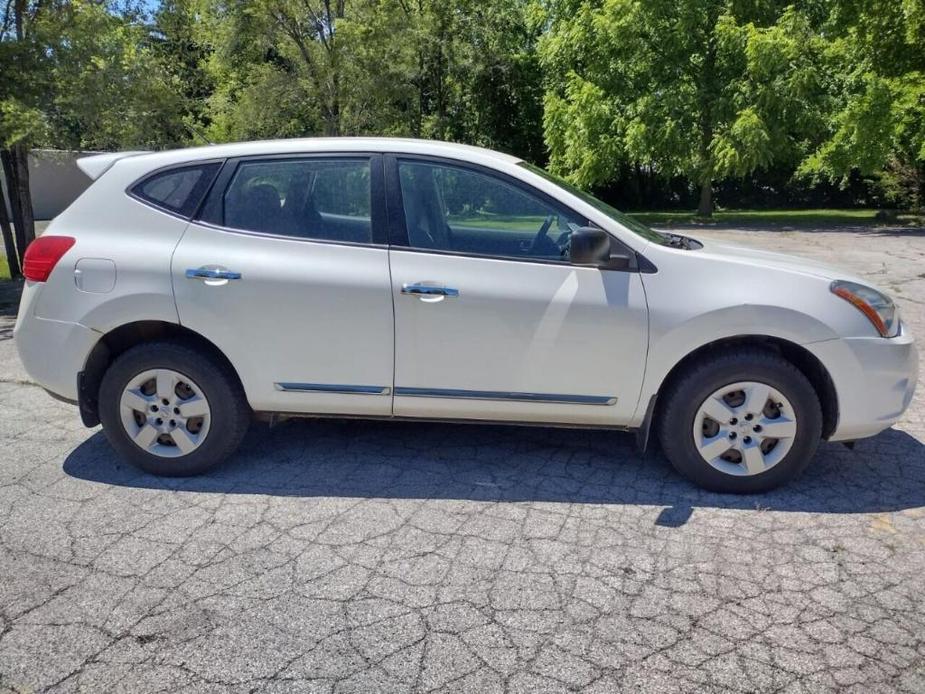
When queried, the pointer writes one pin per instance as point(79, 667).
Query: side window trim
point(211, 211)
point(398, 230)
point(206, 186)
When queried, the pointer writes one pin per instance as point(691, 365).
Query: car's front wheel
point(741, 421)
point(171, 410)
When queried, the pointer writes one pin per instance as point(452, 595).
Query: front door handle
point(206, 273)
point(428, 291)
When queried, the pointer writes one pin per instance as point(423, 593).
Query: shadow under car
point(402, 460)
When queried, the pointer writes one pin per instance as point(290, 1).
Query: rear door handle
point(426, 290)
point(206, 273)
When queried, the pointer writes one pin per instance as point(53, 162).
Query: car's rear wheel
point(741, 421)
point(171, 410)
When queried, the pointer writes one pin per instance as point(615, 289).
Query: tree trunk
point(705, 208)
point(332, 45)
point(332, 120)
point(12, 258)
point(708, 92)
point(422, 95)
point(9, 172)
point(15, 240)
point(24, 192)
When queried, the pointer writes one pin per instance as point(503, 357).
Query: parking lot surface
point(377, 557)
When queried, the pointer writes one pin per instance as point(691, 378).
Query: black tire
point(229, 417)
point(685, 395)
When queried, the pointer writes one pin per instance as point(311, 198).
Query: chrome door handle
point(417, 289)
point(204, 273)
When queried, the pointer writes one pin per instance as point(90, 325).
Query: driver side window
point(454, 209)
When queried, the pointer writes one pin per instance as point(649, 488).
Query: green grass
point(4, 268)
point(795, 218)
point(498, 221)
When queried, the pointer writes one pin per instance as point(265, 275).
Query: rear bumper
point(52, 352)
point(874, 379)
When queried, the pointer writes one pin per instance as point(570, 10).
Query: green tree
point(448, 69)
point(181, 49)
point(108, 87)
point(23, 80)
point(278, 67)
point(77, 74)
point(875, 57)
point(679, 87)
point(459, 70)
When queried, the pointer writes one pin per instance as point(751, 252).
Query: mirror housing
point(589, 246)
point(595, 247)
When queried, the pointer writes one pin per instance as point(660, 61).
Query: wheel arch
point(808, 364)
point(122, 338)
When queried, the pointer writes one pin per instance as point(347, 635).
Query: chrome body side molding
point(503, 395)
point(332, 388)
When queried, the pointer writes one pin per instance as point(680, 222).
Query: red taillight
point(43, 254)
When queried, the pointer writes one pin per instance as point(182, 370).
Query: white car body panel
point(137, 238)
point(874, 379)
point(805, 310)
point(517, 327)
point(303, 313)
point(323, 313)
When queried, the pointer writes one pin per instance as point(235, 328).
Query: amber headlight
point(878, 307)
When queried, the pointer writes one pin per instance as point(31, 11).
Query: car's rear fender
point(110, 345)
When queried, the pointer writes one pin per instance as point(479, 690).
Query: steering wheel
point(542, 244)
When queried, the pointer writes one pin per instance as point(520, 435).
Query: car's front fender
point(668, 346)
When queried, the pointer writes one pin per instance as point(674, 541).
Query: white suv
point(185, 291)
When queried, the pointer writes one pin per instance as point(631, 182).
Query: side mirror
point(589, 246)
point(595, 247)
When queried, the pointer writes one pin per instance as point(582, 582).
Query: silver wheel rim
point(165, 413)
point(745, 428)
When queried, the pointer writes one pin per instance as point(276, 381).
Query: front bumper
point(53, 352)
point(874, 379)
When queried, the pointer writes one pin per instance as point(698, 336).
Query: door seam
point(173, 288)
point(386, 194)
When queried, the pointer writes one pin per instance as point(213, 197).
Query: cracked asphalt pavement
point(348, 556)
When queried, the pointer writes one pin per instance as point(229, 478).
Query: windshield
point(633, 225)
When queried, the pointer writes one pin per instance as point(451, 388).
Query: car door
point(286, 270)
point(491, 319)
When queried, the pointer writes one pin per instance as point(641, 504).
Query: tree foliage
point(713, 89)
point(463, 70)
point(876, 57)
point(700, 88)
point(84, 74)
point(667, 100)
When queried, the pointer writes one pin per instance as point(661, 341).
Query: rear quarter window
point(178, 190)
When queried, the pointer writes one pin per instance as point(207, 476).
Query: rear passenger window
point(322, 199)
point(178, 190)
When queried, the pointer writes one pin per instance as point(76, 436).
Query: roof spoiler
point(98, 164)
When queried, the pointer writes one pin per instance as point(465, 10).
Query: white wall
point(55, 180)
